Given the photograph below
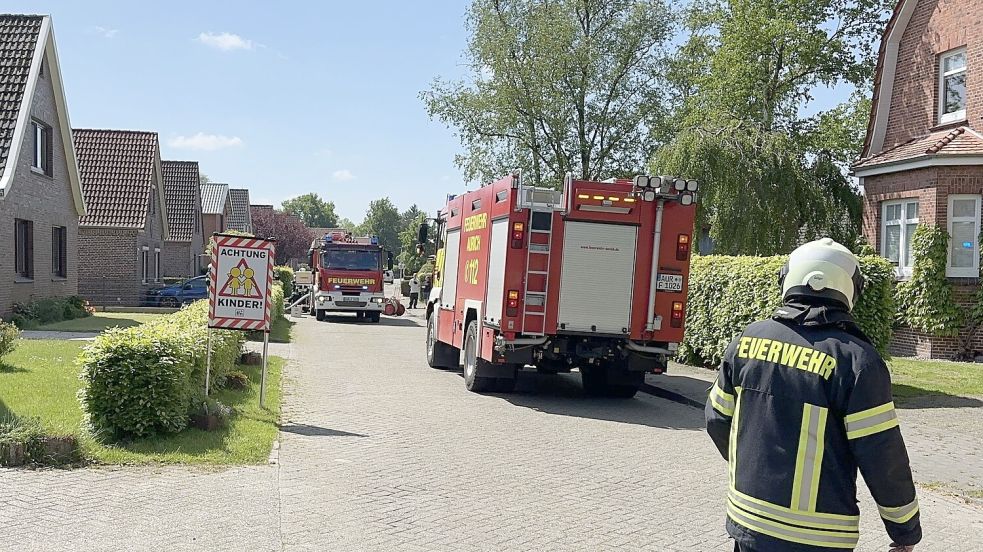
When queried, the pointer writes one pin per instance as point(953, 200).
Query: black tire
point(320, 315)
point(439, 355)
point(595, 381)
point(505, 385)
point(375, 317)
point(170, 302)
point(473, 363)
point(598, 382)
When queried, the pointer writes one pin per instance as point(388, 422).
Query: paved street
point(380, 452)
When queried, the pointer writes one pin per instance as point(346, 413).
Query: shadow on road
point(563, 395)
point(384, 321)
point(316, 431)
point(914, 398)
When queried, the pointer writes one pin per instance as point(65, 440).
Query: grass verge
point(280, 332)
point(915, 378)
point(100, 321)
point(40, 380)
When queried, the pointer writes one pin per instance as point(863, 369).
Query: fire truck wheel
point(439, 355)
point(374, 317)
point(473, 363)
point(320, 315)
point(595, 381)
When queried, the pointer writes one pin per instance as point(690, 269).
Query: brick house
point(184, 246)
point(122, 236)
point(240, 218)
point(922, 161)
point(215, 208)
point(40, 191)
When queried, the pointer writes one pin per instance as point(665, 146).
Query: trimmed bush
point(8, 338)
point(48, 310)
point(726, 294)
point(277, 308)
point(925, 301)
point(148, 379)
point(285, 275)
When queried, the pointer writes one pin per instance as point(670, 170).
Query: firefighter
point(801, 401)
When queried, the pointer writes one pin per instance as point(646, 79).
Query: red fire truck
point(592, 277)
point(347, 275)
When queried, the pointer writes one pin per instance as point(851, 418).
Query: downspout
point(650, 325)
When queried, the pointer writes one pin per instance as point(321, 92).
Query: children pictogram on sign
point(241, 282)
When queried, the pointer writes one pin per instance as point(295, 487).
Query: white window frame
point(900, 271)
point(144, 264)
point(964, 272)
point(40, 161)
point(955, 115)
point(156, 264)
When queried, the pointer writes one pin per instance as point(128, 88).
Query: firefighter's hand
point(901, 547)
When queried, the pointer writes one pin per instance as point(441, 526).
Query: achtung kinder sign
point(240, 283)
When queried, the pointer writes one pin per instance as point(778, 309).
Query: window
point(59, 251)
point(42, 148)
point(952, 86)
point(144, 266)
point(156, 265)
point(24, 248)
point(964, 231)
point(899, 219)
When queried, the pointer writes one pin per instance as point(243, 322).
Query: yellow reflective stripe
point(790, 533)
point(837, 517)
point(800, 458)
point(813, 520)
point(857, 416)
point(817, 464)
point(734, 425)
point(871, 421)
point(899, 514)
point(723, 402)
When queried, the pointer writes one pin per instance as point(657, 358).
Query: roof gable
point(26, 41)
point(182, 195)
point(240, 218)
point(118, 170)
point(214, 198)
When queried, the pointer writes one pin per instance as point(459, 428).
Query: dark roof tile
point(240, 218)
point(18, 37)
point(116, 167)
point(182, 196)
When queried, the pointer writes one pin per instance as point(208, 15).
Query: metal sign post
point(240, 288)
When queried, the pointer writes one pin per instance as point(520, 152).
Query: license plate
point(670, 282)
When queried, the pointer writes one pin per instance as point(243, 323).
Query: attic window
point(42, 148)
point(952, 86)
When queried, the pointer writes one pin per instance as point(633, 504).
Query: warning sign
point(240, 283)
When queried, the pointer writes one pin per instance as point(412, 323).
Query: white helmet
point(822, 268)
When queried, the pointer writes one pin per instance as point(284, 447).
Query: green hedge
point(726, 294)
point(48, 311)
point(925, 301)
point(285, 275)
point(148, 379)
point(277, 309)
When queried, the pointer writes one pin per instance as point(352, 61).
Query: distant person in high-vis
point(803, 400)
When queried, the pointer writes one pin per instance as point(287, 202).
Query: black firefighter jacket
point(802, 401)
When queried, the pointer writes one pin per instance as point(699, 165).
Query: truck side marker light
point(583, 196)
point(598, 197)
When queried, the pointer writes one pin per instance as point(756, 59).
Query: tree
point(203, 178)
point(293, 237)
point(408, 242)
point(557, 86)
point(383, 220)
point(314, 211)
point(772, 177)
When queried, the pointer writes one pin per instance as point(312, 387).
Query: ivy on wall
point(925, 301)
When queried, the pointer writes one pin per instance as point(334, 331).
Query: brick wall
point(909, 342)
point(181, 259)
point(935, 27)
point(212, 224)
point(47, 202)
point(112, 277)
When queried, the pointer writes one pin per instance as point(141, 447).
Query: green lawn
point(40, 379)
point(913, 378)
point(101, 321)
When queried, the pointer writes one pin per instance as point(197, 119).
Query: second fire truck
point(348, 276)
point(592, 277)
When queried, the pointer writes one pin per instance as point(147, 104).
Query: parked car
point(183, 293)
point(387, 276)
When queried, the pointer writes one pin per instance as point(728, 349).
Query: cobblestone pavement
point(379, 452)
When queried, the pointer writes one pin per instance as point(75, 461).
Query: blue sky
point(280, 98)
point(317, 96)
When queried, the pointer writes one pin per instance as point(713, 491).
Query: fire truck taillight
point(682, 247)
point(518, 234)
point(676, 319)
point(512, 304)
